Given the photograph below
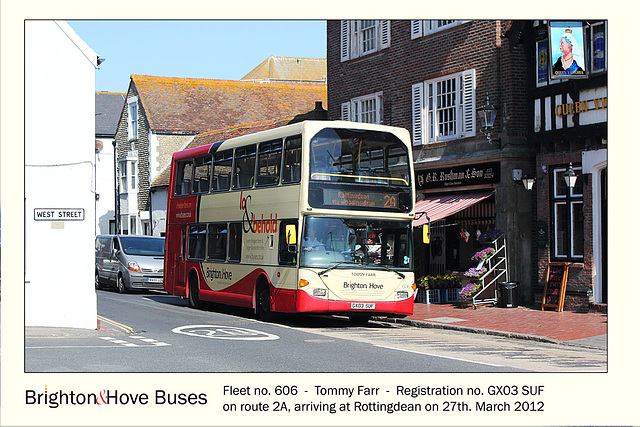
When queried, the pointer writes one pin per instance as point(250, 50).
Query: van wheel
point(194, 295)
point(98, 285)
point(263, 302)
point(122, 289)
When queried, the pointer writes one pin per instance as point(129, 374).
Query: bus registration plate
point(363, 306)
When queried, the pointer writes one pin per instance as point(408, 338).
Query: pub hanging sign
point(458, 176)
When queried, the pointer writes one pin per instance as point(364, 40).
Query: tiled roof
point(290, 69)
point(200, 105)
point(108, 109)
point(221, 135)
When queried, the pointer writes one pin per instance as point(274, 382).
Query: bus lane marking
point(224, 333)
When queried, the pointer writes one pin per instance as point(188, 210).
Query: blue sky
point(217, 49)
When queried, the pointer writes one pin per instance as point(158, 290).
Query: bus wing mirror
point(426, 235)
point(290, 232)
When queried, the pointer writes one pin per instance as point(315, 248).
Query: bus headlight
point(403, 295)
point(319, 292)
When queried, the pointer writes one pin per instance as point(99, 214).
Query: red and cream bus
point(312, 217)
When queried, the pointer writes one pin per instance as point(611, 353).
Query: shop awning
point(438, 207)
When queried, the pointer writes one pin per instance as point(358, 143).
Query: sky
point(215, 49)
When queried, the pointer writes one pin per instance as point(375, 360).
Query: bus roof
point(279, 132)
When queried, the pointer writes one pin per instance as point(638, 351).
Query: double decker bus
point(311, 217)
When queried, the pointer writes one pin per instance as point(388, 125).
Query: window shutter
point(416, 28)
point(385, 33)
point(344, 40)
point(469, 103)
point(345, 110)
point(417, 113)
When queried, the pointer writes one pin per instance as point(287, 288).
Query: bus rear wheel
point(263, 302)
point(194, 295)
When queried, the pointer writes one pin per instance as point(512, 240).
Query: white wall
point(59, 173)
point(105, 206)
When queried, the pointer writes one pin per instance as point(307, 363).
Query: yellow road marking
point(125, 328)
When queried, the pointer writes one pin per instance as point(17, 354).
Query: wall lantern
point(526, 180)
point(570, 177)
point(487, 117)
point(528, 183)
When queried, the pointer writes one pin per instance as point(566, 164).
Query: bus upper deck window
point(269, 159)
point(245, 167)
point(292, 160)
point(221, 178)
point(184, 174)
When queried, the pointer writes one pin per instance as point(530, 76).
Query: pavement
point(587, 330)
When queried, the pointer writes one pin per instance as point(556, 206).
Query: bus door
point(175, 267)
point(181, 264)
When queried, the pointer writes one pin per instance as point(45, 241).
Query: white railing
point(497, 271)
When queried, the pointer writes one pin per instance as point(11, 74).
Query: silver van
point(129, 262)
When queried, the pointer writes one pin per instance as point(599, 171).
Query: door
point(181, 264)
point(175, 268)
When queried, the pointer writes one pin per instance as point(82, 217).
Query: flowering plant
point(469, 290)
point(490, 235)
point(438, 282)
point(475, 272)
point(483, 254)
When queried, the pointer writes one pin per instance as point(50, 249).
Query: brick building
point(567, 125)
point(431, 77)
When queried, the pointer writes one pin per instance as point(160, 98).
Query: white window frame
point(134, 173)
point(427, 117)
point(122, 173)
point(355, 32)
point(359, 109)
point(425, 27)
point(132, 118)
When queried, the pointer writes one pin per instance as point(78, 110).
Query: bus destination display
point(362, 199)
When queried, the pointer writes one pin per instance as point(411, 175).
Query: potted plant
point(469, 291)
point(483, 255)
point(490, 235)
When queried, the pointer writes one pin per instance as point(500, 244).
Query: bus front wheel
point(263, 302)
